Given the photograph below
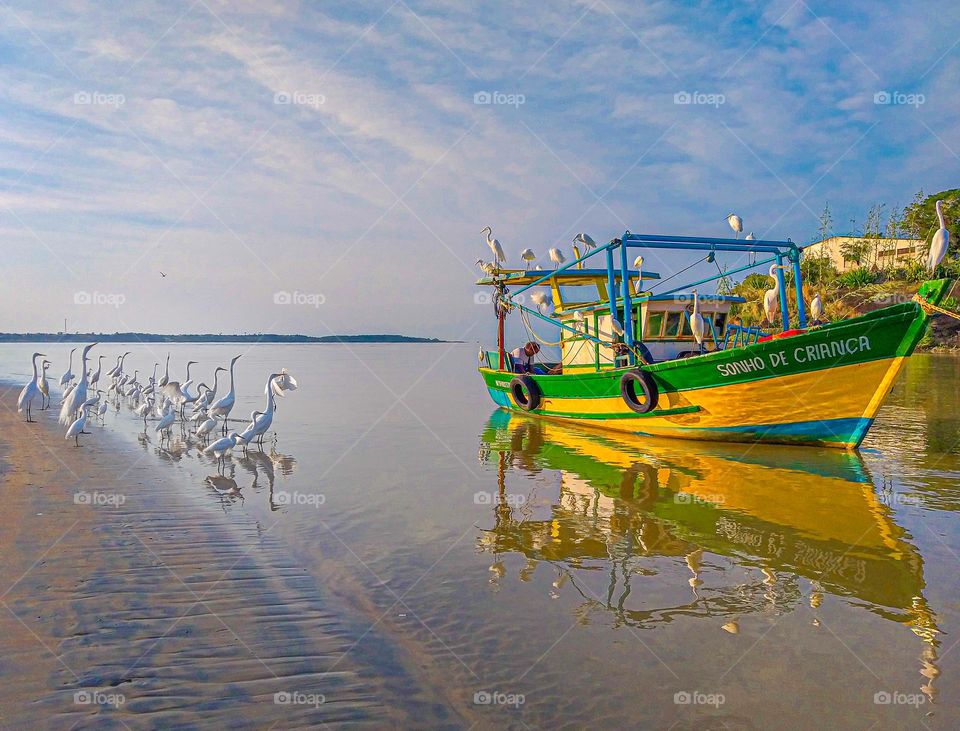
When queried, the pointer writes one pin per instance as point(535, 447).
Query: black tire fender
point(639, 391)
point(526, 393)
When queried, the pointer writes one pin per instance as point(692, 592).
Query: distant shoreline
point(132, 337)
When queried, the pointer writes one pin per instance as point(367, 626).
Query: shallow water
point(536, 575)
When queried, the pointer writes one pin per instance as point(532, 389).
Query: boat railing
point(742, 336)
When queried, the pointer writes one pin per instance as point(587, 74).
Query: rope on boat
point(530, 331)
point(930, 308)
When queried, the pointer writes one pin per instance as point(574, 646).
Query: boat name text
point(800, 354)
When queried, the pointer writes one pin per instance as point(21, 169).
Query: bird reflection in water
point(226, 488)
point(799, 525)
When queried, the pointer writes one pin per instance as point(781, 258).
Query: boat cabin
point(580, 302)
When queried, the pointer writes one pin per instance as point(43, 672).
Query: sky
point(319, 168)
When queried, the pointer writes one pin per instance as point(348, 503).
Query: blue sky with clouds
point(335, 150)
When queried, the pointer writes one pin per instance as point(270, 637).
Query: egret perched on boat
point(579, 322)
point(638, 264)
point(224, 405)
point(68, 374)
point(30, 391)
point(736, 223)
point(528, 256)
point(557, 257)
point(541, 299)
point(44, 385)
point(498, 256)
point(771, 298)
point(940, 242)
point(486, 267)
point(750, 237)
point(816, 308)
point(697, 325)
point(616, 327)
point(76, 428)
point(586, 240)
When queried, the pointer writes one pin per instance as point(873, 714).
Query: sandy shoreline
point(119, 587)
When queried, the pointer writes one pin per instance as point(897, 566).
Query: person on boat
point(523, 360)
point(523, 357)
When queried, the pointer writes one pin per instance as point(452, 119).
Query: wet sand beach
point(127, 603)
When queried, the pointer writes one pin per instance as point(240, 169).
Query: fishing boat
point(631, 361)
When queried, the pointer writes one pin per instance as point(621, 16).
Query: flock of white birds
point(162, 399)
point(583, 244)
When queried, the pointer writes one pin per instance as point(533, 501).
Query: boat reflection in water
point(788, 516)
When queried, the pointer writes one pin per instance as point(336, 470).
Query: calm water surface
point(544, 576)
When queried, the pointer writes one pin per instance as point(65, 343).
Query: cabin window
point(674, 323)
point(578, 294)
point(654, 325)
point(719, 321)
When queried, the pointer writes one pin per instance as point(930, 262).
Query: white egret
point(165, 378)
point(750, 237)
point(616, 327)
point(697, 324)
point(206, 428)
point(224, 405)
point(586, 240)
point(940, 242)
point(541, 299)
point(244, 437)
point(76, 428)
point(495, 248)
point(95, 378)
point(102, 410)
point(528, 256)
point(68, 374)
point(816, 309)
point(486, 267)
point(263, 419)
point(736, 223)
point(557, 257)
point(212, 392)
point(223, 445)
point(638, 264)
point(579, 321)
point(771, 298)
point(281, 382)
point(166, 421)
point(44, 386)
point(30, 391)
point(116, 369)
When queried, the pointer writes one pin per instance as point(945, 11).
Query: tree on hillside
point(856, 250)
point(920, 217)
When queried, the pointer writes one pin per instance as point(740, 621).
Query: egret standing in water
point(771, 298)
point(940, 243)
point(816, 309)
point(498, 256)
point(736, 223)
point(223, 445)
point(697, 325)
point(68, 374)
point(224, 405)
point(44, 385)
point(30, 391)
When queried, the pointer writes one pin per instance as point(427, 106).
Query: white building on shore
point(880, 253)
